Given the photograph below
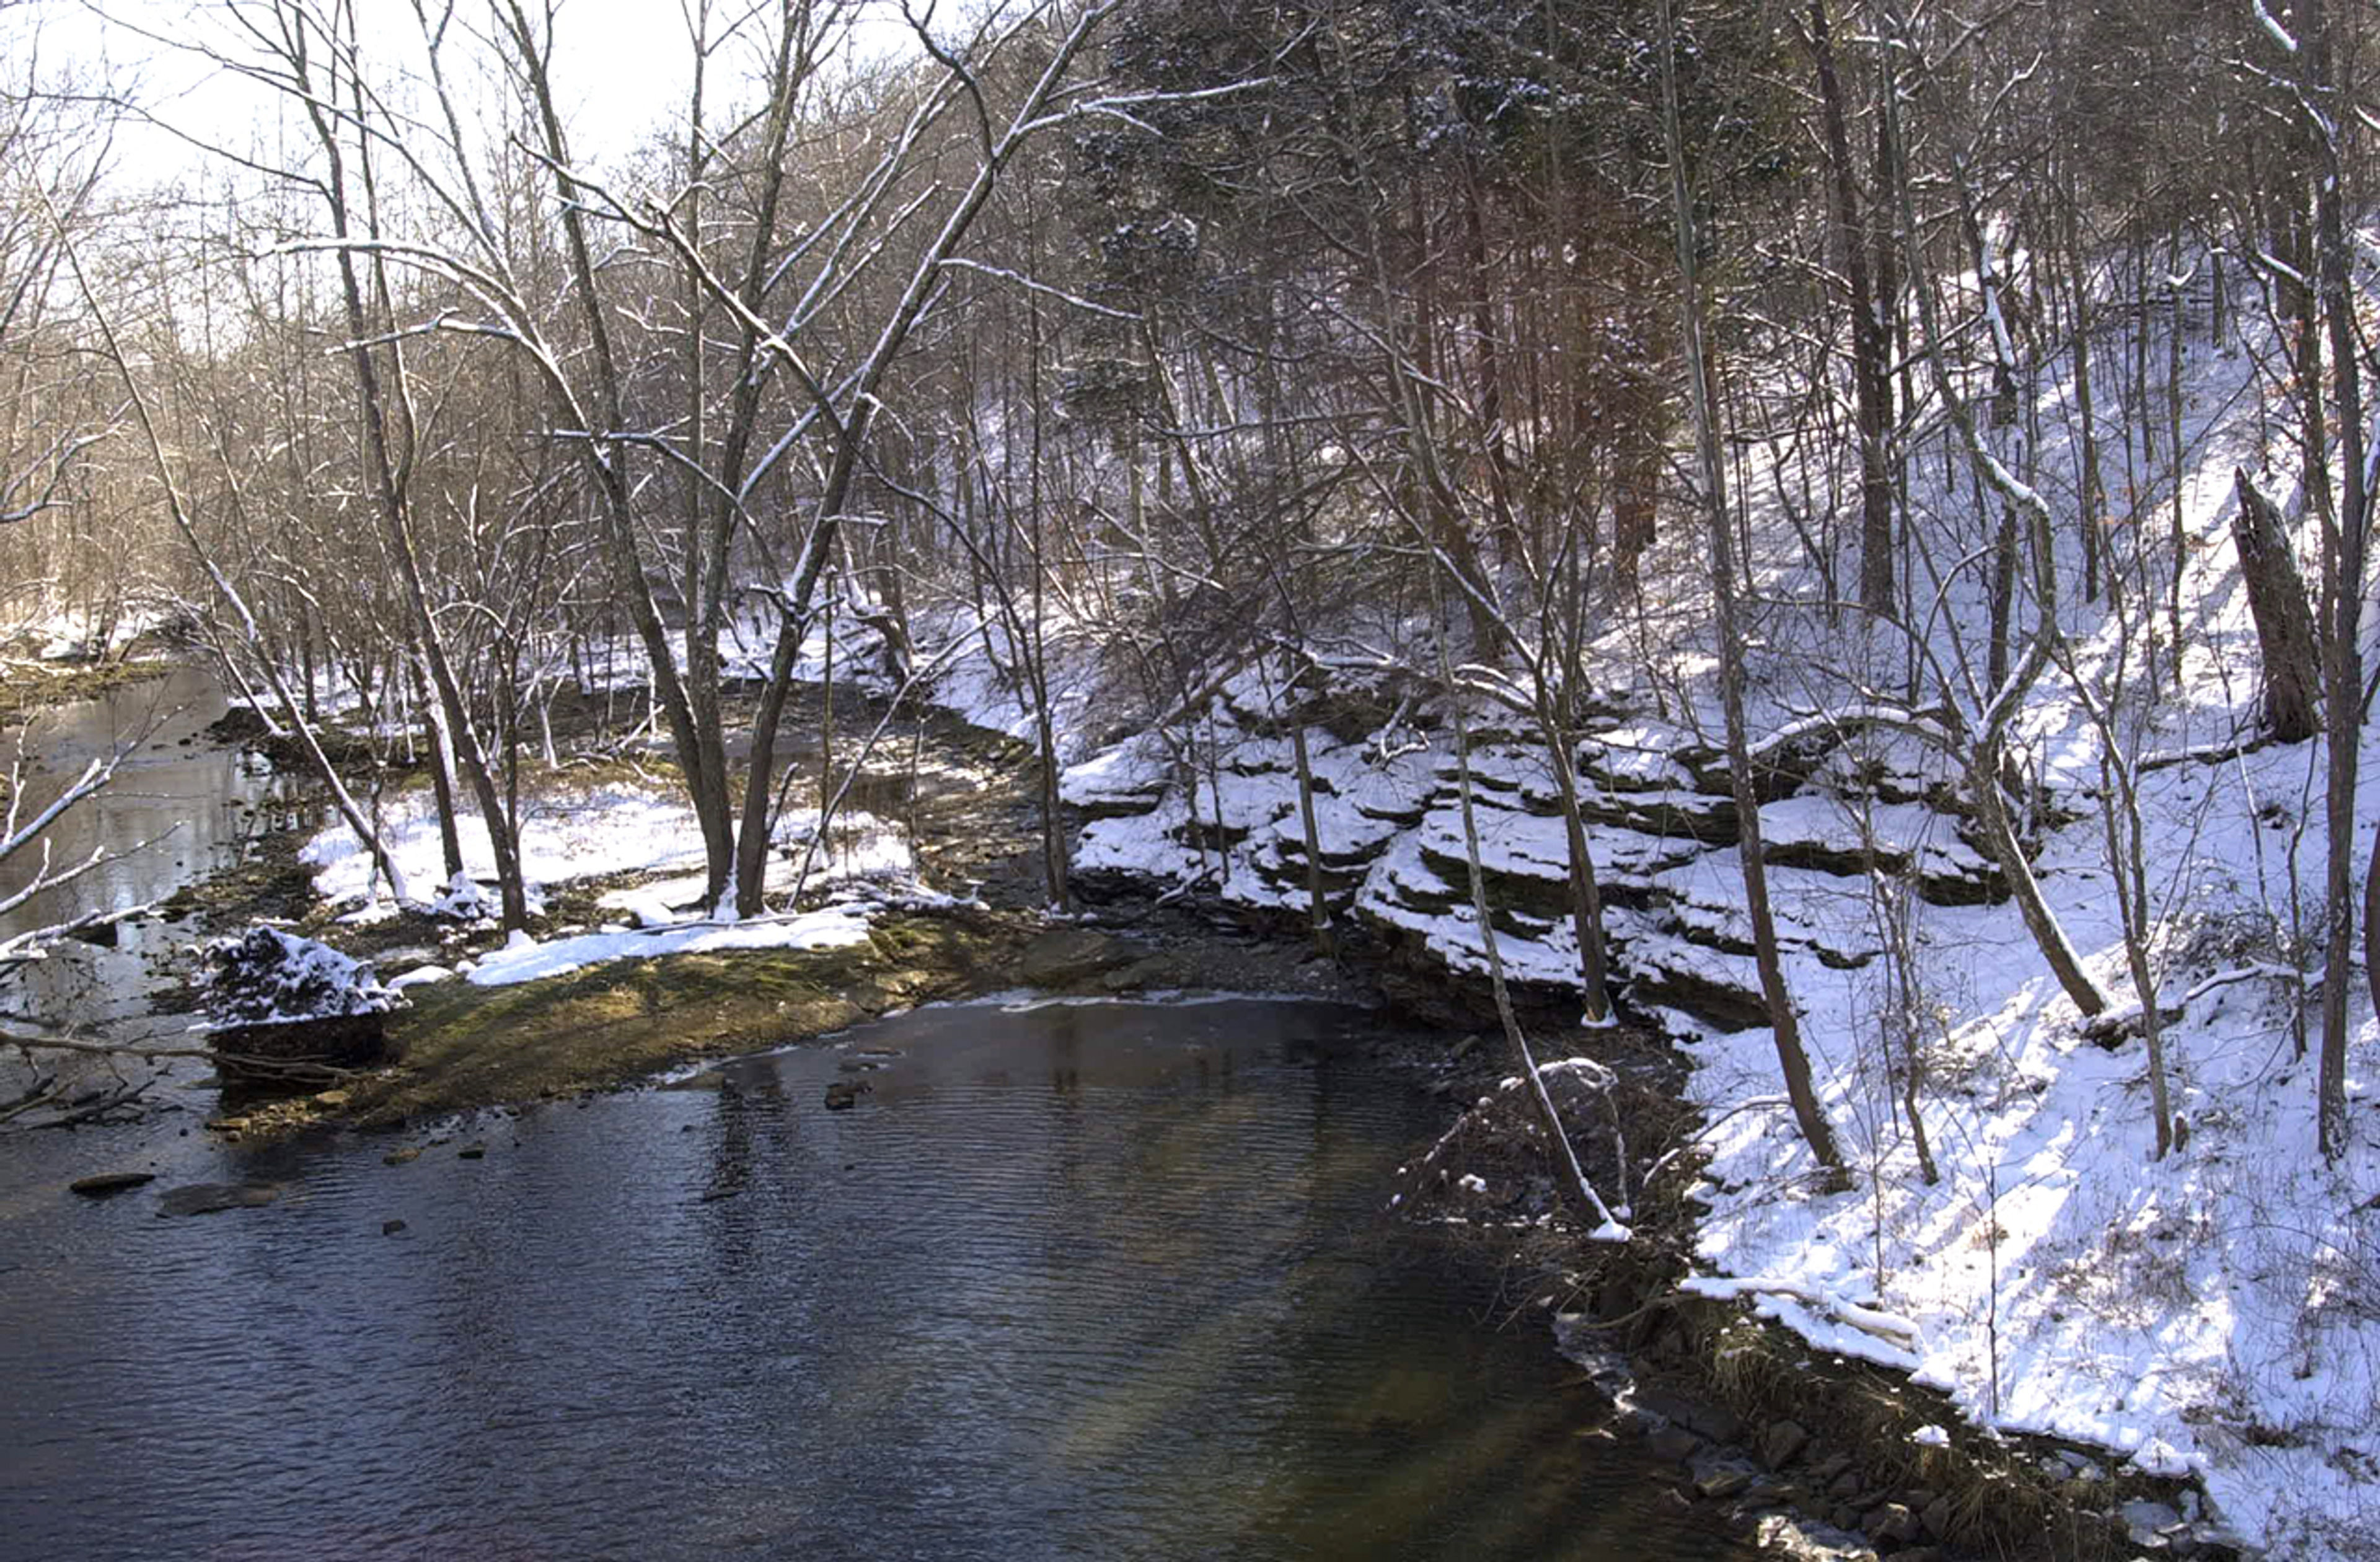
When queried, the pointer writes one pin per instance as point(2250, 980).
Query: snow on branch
point(59, 461)
point(1894, 1330)
point(2272, 25)
point(15, 838)
point(1922, 725)
point(959, 262)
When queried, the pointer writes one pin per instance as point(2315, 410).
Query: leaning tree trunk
point(1999, 836)
point(2277, 598)
point(1711, 471)
point(1585, 894)
point(1990, 746)
point(1317, 904)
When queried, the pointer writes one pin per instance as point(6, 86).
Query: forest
point(1831, 531)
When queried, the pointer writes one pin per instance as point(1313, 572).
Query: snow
point(419, 976)
point(526, 959)
point(83, 633)
point(616, 829)
point(267, 977)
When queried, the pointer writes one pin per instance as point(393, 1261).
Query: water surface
point(179, 807)
point(1101, 1281)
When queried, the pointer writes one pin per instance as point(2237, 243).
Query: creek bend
point(1103, 1280)
point(1096, 1280)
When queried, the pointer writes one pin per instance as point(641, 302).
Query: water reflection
point(1096, 1282)
point(179, 807)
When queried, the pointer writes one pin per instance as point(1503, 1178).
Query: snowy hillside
point(2216, 1311)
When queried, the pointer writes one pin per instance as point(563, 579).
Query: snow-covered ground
point(528, 959)
point(613, 831)
point(80, 633)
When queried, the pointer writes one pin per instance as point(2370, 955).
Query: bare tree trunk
point(2277, 599)
point(2343, 578)
point(1871, 340)
point(1712, 472)
point(2003, 602)
point(2175, 359)
point(442, 774)
point(2128, 865)
point(700, 754)
point(1317, 907)
point(1585, 894)
point(2093, 493)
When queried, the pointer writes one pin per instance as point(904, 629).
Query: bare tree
point(1870, 329)
point(1981, 745)
point(2323, 102)
point(1710, 472)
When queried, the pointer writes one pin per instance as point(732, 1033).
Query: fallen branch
point(1891, 1328)
point(37, 1042)
point(125, 1096)
point(44, 1095)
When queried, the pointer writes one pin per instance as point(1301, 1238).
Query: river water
point(179, 807)
point(1070, 1281)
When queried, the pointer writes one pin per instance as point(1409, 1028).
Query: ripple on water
point(1097, 1282)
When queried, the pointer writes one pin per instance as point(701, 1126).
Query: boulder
point(1890, 1523)
point(285, 1010)
point(207, 1198)
point(1722, 1481)
point(1672, 1444)
point(1783, 1442)
point(105, 1183)
point(2150, 1525)
point(1067, 956)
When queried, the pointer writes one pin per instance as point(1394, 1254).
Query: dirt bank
point(29, 686)
point(456, 1046)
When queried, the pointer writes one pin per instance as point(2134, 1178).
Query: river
point(179, 807)
point(1099, 1281)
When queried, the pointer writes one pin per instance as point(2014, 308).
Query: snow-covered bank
point(528, 959)
point(610, 830)
point(614, 831)
point(2215, 1313)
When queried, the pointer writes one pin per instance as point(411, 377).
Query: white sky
point(621, 67)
